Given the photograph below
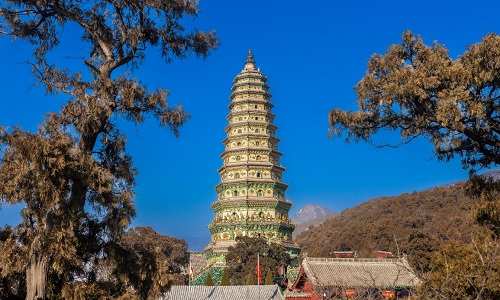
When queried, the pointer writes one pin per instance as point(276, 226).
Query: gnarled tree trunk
point(36, 270)
point(36, 277)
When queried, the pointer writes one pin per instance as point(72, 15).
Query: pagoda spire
point(250, 62)
point(251, 195)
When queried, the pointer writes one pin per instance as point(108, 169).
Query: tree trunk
point(36, 277)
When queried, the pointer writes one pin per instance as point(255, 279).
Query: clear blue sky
point(313, 54)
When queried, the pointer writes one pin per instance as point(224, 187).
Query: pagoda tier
point(251, 194)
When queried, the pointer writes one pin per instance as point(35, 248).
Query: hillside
point(415, 223)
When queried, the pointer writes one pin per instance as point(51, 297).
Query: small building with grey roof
point(333, 278)
point(236, 292)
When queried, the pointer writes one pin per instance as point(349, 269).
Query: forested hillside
point(415, 223)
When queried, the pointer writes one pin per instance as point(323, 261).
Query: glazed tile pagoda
point(251, 194)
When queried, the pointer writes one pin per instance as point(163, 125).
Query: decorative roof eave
point(250, 74)
point(249, 92)
point(308, 272)
point(268, 114)
point(251, 136)
point(232, 183)
point(251, 164)
point(250, 123)
point(243, 83)
point(278, 203)
point(301, 279)
point(251, 101)
point(251, 150)
point(250, 223)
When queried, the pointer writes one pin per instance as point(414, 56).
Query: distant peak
point(310, 211)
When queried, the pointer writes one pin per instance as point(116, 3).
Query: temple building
point(354, 278)
point(251, 194)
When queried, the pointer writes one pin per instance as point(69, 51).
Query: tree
point(241, 259)
point(12, 280)
point(73, 175)
point(269, 278)
point(419, 246)
point(225, 278)
point(420, 91)
point(251, 279)
point(464, 270)
point(150, 261)
point(208, 280)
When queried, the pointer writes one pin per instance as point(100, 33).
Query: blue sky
point(313, 54)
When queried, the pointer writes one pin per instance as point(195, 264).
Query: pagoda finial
point(250, 62)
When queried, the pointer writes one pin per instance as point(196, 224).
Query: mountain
point(313, 223)
point(413, 224)
point(309, 212)
point(310, 216)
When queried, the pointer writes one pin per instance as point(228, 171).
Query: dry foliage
point(241, 259)
point(419, 91)
point(73, 176)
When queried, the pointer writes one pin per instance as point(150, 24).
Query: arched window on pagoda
point(260, 193)
point(235, 193)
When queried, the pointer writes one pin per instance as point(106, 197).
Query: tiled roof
point(359, 272)
point(236, 292)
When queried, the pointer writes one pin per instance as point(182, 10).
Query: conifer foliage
point(208, 280)
point(251, 279)
point(225, 278)
point(73, 175)
point(269, 278)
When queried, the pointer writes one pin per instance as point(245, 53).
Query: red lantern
point(350, 293)
point(388, 295)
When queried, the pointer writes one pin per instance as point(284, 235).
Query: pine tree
point(225, 279)
point(208, 280)
point(269, 277)
point(251, 280)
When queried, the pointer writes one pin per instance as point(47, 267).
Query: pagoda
point(251, 194)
